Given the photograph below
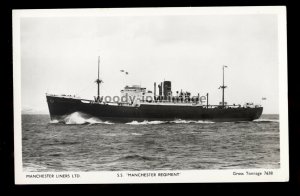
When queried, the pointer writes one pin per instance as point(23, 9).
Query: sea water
point(89, 144)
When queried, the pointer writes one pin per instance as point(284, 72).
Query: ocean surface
point(82, 144)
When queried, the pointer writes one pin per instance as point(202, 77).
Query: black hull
point(59, 107)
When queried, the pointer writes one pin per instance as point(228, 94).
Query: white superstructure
point(136, 91)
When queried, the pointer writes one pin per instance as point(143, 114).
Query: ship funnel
point(167, 89)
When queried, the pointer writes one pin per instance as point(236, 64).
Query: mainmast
point(98, 81)
point(223, 87)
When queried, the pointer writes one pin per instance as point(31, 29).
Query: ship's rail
point(158, 102)
point(63, 96)
point(231, 106)
point(188, 103)
point(199, 105)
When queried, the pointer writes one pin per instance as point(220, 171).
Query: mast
point(223, 87)
point(98, 81)
point(206, 100)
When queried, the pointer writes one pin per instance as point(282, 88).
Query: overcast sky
point(59, 55)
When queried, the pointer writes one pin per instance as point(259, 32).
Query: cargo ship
point(139, 104)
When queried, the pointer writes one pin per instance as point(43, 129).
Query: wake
point(178, 121)
point(78, 118)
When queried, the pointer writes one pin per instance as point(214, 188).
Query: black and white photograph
point(150, 95)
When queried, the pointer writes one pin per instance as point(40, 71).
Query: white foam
point(179, 121)
point(155, 122)
point(204, 122)
point(79, 118)
point(266, 120)
point(54, 121)
point(145, 122)
point(74, 118)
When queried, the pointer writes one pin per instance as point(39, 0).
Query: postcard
point(150, 95)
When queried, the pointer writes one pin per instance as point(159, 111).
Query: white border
point(186, 176)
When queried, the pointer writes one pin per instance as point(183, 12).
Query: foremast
point(98, 81)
